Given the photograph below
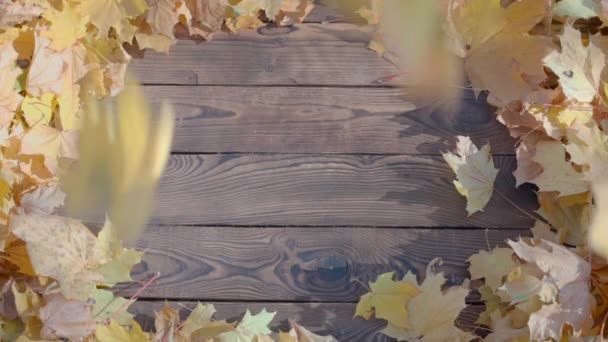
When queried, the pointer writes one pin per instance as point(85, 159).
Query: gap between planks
point(297, 264)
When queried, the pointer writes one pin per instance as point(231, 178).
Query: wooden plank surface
point(306, 54)
point(298, 264)
point(329, 190)
point(335, 318)
point(323, 120)
point(336, 11)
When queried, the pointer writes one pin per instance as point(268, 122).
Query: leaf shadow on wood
point(509, 207)
point(447, 118)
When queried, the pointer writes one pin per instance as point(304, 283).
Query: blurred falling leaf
point(124, 149)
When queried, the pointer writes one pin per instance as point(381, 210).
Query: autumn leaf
point(43, 200)
point(579, 67)
point(38, 110)
point(433, 311)
point(502, 330)
point(106, 14)
point(299, 334)
point(9, 96)
point(570, 274)
point(492, 266)
point(162, 16)
point(114, 332)
point(13, 13)
point(558, 174)
point(63, 249)
point(67, 26)
point(387, 300)
point(46, 70)
point(166, 322)
point(569, 215)
point(52, 143)
point(249, 327)
point(108, 306)
point(588, 147)
point(475, 173)
point(63, 318)
point(492, 37)
point(207, 16)
point(200, 316)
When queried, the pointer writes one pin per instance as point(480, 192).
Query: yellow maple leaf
point(106, 14)
point(433, 311)
point(123, 152)
point(500, 55)
point(387, 300)
point(67, 26)
point(114, 332)
point(53, 144)
point(38, 109)
point(558, 174)
point(578, 67)
point(492, 266)
point(249, 327)
point(475, 173)
point(556, 120)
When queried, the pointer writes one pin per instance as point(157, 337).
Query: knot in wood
point(331, 268)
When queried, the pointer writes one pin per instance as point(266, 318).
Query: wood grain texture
point(329, 190)
point(323, 120)
point(306, 54)
point(333, 11)
point(324, 319)
point(298, 264)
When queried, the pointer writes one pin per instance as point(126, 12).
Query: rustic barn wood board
point(298, 174)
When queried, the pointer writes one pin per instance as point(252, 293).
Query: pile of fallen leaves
point(543, 64)
point(58, 59)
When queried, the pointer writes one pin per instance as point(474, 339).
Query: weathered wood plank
point(306, 54)
point(324, 319)
point(298, 264)
point(329, 190)
point(336, 11)
point(323, 120)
